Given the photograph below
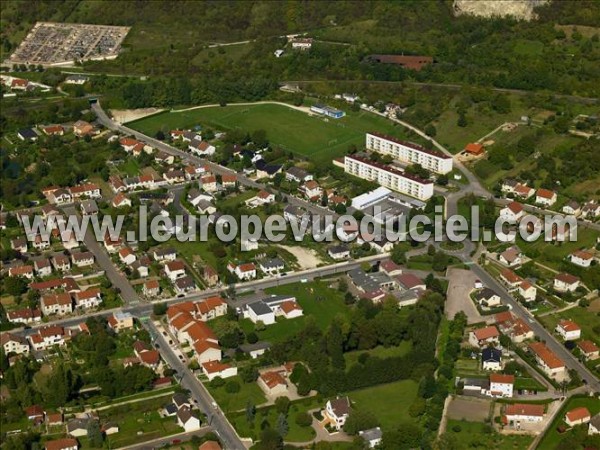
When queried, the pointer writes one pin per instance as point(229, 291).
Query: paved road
point(552, 343)
point(118, 280)
point(199, 393)
point(215, 168)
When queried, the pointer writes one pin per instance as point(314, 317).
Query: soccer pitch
point(317, 138)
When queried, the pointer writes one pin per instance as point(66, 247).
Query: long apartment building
point(388, 177)
point(409, 153)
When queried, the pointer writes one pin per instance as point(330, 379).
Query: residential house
point(245, 271)
point(174, 176)
point(76, 79)
point(210, 275)
point(551, 364)
point(514, 211)
point(90, 298)
point(594, 425)
point(35, 414)
point(12, 343)
point(126, 256)
point(523, 191)
point(120, 321)
point(61, 262)
point(589, 350)
point(207, 350)
point(302, 43)
point(337, 412)
point(390, 268)
point(272, 383)
point(491, 359)
point(88, 190)
point(206, 207)
point(201, 148)
point(82, 128)
point(112, 244)
point(195, 196)
point(484, 336)
point(47, 337)
point(528, 291)
point(410, 281)
point(120, 200)
point(82, 259)
point(164, 158)
point(311, 190)
point(260, 312)
point(61, 444)
point(78, 427)
point(501, 385)
point(271, 266)
point(184, 285)
point(25, 271)
point(578, 416)
point(54, 419)
point(27, 134)
point(290, 310)
point(188, 420)
point(213, 369)
point(572, 207)
point(510, 278)
point(151, 288)
point(581, 258)
point(175, 269)
point(297, 174)
point(474, 148)
point(262, 198)
point(164, 254)
point(545, 197)
point(209, 183)
point(210, 445)
point(19, 244)
point(229, 181)
point(568, 330)
point(488, 298)
point(565, 282)
point(264, 170)
point(59, 304)
point(372, 436)
point(42, 267)
point(296, 214)
point(591, 210)
point(53, 130)
point(211, 308)
point(510, 257)
point(339, 252)
point(24, 315)
point(519, 413)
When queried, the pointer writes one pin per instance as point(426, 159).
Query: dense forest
point(171, 38)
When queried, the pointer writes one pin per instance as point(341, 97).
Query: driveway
point(461, 284)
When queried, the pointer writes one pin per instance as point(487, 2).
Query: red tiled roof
point(524, 409)
point(546, 355)
point(214, 366)
point(474, 148)
point(578, 414)
point(568, 325)
point(486, 333)
point(510, 276)
point(587, 346)
point(61, 444)
point(289, 306)
point(567, 278)
point(545, 193)
point(175, 265)
point(515, 207)
point(272, 379)
point(501, 378)
point(151, 357)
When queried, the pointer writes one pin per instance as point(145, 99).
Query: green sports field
point(317, 138)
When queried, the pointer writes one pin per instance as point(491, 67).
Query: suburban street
point(118, 280)
point(216, 418)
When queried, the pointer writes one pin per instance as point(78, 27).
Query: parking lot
point(461, 284)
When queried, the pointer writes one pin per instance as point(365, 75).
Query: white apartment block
point(388, 177)
point(409, 153)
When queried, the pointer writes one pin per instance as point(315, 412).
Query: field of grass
point(379, 351)
point(313, 137)
point(139, 422)
point(296, 433)
point(235, 402)
point(552, 437)
point(586, 319)
point(388, 402)
point(319, 301)
point(478, 435)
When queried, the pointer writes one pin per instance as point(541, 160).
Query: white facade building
point(410, 153)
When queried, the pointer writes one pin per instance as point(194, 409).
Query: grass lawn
point(388, 402)
point(469, 367)
point(583, 317)
point(552, 437)
point(550, 254)
point(477, 435)
point(317, 300)
point(314, 137)
point(235, 402)
point(529, 383)
point(139, 422)
point(379, 351)
point(296, 433)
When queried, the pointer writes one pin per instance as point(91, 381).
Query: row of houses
point(58, 196)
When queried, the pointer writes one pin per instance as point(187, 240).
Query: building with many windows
point(388, 177)
point(409, 153)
